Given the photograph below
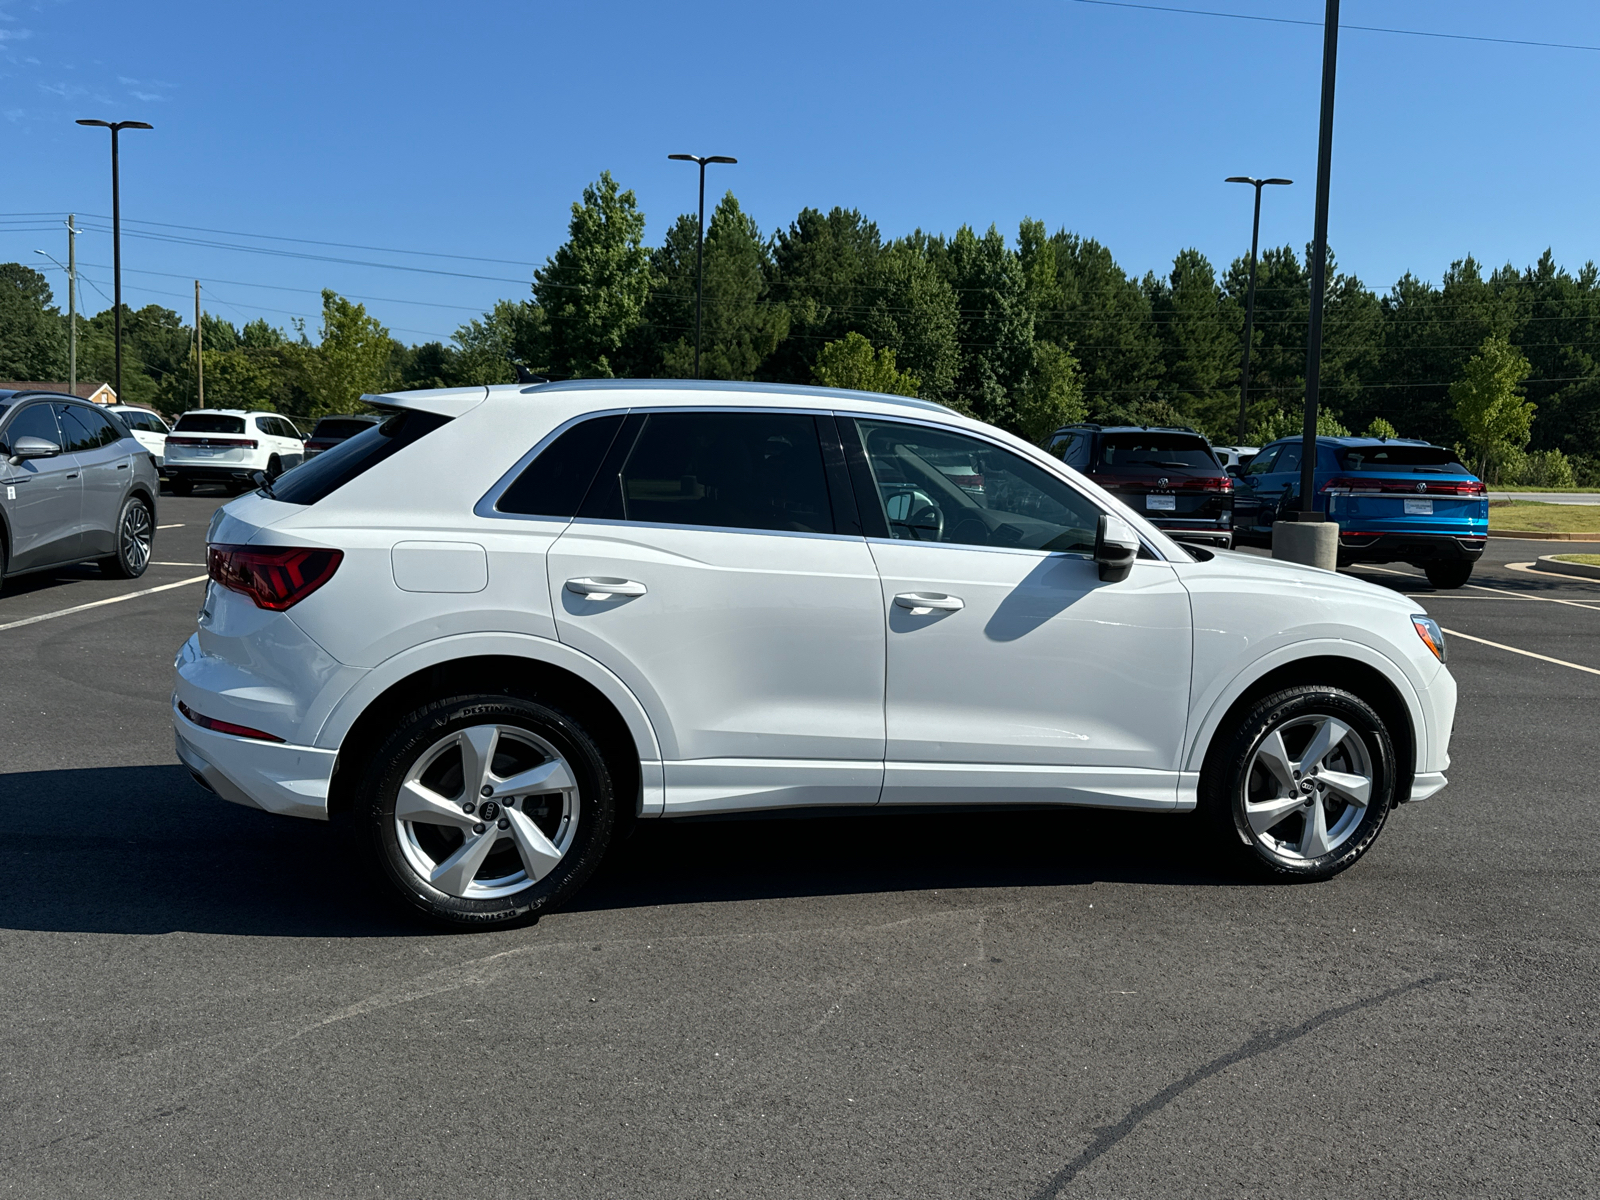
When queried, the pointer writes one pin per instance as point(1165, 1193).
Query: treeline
point(1026, 332)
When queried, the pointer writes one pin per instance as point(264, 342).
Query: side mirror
point(1116, 545)
point(32, 447)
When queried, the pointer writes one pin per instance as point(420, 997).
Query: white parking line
point(67, 612)
point(1500, 591)
point(1560, 662)
point(175, 564)
point(179, 525)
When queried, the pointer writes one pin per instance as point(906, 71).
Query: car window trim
point(861, 476)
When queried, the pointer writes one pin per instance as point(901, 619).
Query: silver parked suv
point(74, 485)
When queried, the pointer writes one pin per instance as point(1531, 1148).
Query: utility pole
point(199, 350)
point(700, 245)
point(72, 304)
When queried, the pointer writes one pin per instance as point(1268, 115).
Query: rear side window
point(1428, 460)
point(731, 470)
point(1072, 449)
point(84, 429)
point(554, 483)
point(1175, 451)
point(208, 423)
point(331, 470)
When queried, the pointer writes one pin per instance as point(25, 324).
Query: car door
point(1248, 504)
point(104, 460)
point(291, 447)
point(43, 496)
point(711, 570)
point(1014, 673)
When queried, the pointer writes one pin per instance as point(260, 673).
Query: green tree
point(1052, 395)
point(1489, 403)
point(1380, 428)
point(742, 324)
point(995, 327)
point(352, 359)
point(822, 270)
point(594, 289)
point(1104, 320)
point(1199, 329)
point(915, 313)
point(33, 341)
point(851, 362)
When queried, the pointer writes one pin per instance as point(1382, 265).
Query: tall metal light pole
point(700, 245)
point(1250, 292)
point(1319, 263)
point(72, 307)
point(116, 127)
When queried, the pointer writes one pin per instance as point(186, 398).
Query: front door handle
point(923, 603)
point(604, 588)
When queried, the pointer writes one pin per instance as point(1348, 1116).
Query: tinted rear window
point(1174, 451)
point(1428, 460)
point(332, 469)
point(208, 423)
point(553, 485)
point(339, 427)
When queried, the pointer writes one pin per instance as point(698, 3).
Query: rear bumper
point(275, 777)
point(1380, 546)
point(210, 473)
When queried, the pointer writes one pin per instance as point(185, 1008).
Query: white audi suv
point(501, 626)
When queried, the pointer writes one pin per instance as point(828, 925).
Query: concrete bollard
point(1315, 543)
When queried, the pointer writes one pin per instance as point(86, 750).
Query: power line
point(1427, 33)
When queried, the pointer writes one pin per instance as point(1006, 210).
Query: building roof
point(86, 388)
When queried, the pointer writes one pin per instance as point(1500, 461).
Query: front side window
point(939, 486)
point(208, 423)
point(731, 470)
point(34, 421)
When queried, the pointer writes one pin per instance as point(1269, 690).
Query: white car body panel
point(766, 669)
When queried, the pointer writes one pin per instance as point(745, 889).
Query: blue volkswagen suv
point(1395, 501)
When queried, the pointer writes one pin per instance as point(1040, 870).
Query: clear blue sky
point(469, 128)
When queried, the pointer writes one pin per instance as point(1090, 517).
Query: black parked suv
point(1168, 474)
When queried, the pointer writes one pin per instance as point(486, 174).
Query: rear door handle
point(923, 603)
point(122, 466)
point(604, 588)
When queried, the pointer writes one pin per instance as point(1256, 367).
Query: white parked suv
point(147, 427)
point(501, 626)
point(228, 446)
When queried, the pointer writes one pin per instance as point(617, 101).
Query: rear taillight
point(174, 439)
point(227, 727)
point(1345, 486)
point(275, 577)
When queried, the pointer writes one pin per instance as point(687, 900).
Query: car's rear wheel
point(136, 532)
point(274, 468)
point(1448, 574)
point(1301, 784)
point(485, 811)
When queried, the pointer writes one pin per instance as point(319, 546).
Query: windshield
point(340, 427)
point(1176, 451)
point(208, 423)
point(1425, 460)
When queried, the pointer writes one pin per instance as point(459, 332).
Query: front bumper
point(1381, 546)
point(273, 776)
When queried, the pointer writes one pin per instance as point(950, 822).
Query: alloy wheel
point(487, 811)
point(135, 537)
point(1307, 787)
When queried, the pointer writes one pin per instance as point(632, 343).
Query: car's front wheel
point(1301, 783)
point(136, 531)
point(486, 810)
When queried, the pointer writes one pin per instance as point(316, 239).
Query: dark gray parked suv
point(74, 485)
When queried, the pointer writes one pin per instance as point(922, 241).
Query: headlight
point(1430, 633)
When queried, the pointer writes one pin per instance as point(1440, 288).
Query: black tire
point(181, 486)
point(416, 738)
point(1233, 772)
point(136, 539)
point(1448, 574)
point(274, 468)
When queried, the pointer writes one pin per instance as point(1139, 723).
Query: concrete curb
point(1549, 562)
point(1546, 537)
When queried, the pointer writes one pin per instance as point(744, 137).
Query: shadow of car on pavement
point(145, 850)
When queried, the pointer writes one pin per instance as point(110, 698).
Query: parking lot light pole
point(700, 245)
point(1250, 292)
point(72, 307)
point(116, 127)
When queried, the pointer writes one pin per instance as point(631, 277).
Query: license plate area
point(1153, 503)
point(1419, 508)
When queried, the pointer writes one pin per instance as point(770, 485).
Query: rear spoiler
point(443, 402)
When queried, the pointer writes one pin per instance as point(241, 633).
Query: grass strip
point(1531, 516)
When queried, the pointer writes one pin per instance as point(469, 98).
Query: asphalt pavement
point(201, 999)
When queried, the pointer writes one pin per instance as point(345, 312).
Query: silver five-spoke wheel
point(135, 536)
point(1307, 787)
point(487, 811)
